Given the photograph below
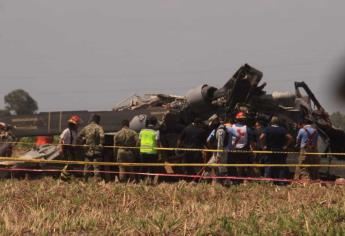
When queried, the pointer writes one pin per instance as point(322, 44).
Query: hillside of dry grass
point(48, 206)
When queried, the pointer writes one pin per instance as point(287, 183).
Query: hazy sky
point(88, 54)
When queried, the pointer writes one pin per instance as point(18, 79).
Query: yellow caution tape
point(198, 149)
point(64, 162)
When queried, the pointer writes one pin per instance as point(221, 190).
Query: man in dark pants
point(241, 145)
point(275, 138)
point(149, 142)
point(259, 158)
point(193, 136)
point(67, 141)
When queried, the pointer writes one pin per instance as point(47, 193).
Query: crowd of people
point(233, 140)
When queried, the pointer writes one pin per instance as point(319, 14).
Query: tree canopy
point(19, 102)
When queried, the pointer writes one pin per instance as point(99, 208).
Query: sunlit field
point(49, 206)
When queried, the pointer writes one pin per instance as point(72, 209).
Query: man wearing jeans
point(275, 138)
point(307, 141)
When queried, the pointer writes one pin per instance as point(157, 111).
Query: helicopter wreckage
point(243, 91)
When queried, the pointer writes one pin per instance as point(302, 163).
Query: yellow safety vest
point(148, 142)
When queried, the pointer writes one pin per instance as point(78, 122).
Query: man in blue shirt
point(230, 132)
point(275, 138)
point(307, 139)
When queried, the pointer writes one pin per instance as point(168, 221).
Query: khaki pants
point(219, 158)
point(308, 172)
point(125, 156)
point(96, 168)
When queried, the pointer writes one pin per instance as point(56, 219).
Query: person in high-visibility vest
point(149, 141)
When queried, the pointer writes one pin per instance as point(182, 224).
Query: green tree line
point(19, 102)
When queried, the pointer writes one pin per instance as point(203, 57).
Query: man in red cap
point(67, 141)
point(241, 144)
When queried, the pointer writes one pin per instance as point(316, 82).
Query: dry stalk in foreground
point(48, 206)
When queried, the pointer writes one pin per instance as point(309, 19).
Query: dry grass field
point(51, 207)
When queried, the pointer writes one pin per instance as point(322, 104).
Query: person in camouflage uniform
point(126, 138)
point(6, 140)
point(92, 137)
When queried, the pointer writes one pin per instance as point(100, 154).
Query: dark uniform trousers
point(149, 158)
point(239, 157)
point(69, 155)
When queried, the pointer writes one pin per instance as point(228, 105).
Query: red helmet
point(241, 115)
point(74, 120)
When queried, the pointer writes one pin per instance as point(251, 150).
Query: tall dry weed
point(48, 206)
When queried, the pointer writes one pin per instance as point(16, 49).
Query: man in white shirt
point(241, 143)
point(68, 139)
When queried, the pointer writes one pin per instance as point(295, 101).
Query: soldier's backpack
point(225, 136)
